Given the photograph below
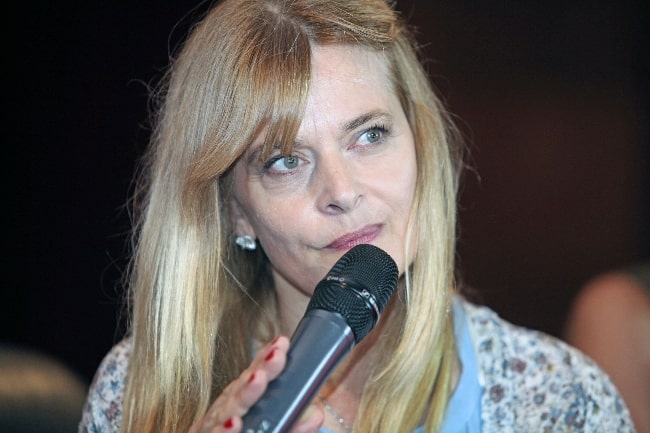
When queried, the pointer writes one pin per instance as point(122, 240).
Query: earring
point(245, 242)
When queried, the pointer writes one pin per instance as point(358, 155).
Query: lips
point(363, 236)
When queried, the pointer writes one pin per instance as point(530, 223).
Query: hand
point(225, 414)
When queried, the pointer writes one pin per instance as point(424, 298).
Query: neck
point(344, 387)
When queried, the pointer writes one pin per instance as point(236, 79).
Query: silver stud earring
point(245, 242)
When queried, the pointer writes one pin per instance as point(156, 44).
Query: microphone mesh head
point(358, 287)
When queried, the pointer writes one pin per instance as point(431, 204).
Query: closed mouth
point(363, 236)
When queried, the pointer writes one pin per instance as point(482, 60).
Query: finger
point(237, 398)
point(268, 368)
point(273, 357)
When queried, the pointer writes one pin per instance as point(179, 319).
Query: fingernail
point(250, 379)
point(270, 355)
point(228, 423)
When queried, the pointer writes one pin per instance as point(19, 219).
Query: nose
point(337, 184)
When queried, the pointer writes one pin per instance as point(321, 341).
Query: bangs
point(255, 84)
point(280, 79)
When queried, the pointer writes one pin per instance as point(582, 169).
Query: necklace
point(336, 415)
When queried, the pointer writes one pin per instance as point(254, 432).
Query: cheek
point(278, 223)
point(402, 191)
point(403, 178)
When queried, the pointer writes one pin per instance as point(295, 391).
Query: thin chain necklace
point(336, 415)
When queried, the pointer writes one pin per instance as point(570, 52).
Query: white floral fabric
point(530, 381)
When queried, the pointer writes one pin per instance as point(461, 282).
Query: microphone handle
point(320, 342)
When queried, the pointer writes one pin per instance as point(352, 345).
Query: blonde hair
point(246, 65)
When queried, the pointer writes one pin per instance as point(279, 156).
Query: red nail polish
point(228, 423)
point(270, 355)
point(250, 379)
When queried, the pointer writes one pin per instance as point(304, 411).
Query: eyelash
point(380, 127)
point(268, 164)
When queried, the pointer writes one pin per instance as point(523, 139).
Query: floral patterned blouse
point(530, 382)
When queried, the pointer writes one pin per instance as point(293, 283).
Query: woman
point(289, 132)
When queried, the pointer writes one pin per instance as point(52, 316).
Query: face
point(350, 178)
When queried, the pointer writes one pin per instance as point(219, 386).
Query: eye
point(374, 134)
point(282, 163)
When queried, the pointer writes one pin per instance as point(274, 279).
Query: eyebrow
point(348, 126)
point(364, 118)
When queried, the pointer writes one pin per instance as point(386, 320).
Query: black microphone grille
point(358, 287)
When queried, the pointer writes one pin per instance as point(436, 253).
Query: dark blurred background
point(552, 98)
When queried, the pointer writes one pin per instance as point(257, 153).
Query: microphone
point(345, 307)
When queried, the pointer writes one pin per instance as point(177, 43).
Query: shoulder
point(535, 381)
point(103, 408)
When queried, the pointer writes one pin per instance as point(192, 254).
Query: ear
point(240, 222)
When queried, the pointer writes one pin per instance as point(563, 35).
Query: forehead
point(347, 81)
point(347, 67)
point(343, 79)
point(341, 58)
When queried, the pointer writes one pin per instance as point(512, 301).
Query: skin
point(346, 184)
point(350, 179)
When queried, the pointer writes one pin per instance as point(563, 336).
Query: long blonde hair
point(194, 297)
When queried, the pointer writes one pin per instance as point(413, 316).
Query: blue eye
point(374, 135)
point(282, 163)
point(289, 161)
